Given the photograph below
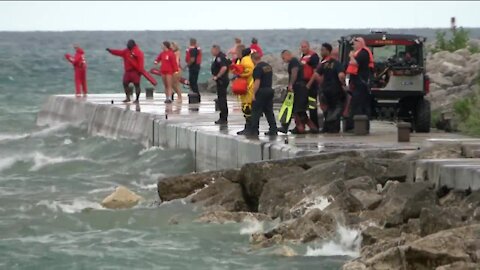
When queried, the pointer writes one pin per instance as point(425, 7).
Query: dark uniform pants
point(263, 104)
point(360, 104)
point(313, 113)
point(334, 99)
point(222, 98)
point(193, 78)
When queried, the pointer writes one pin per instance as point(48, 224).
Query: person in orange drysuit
point(80, 70)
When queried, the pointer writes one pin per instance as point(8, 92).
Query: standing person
point(245, 64)
point(133, 63)
point(310, 61)
point(79, 64)
point(255, 48)
point(168, 67)
point(193, 58)
point(331, 74)
point(359, 68)
point(298, 86)
point(232, 53)
point(262, 96)
point(178, 74)
point(220, 76)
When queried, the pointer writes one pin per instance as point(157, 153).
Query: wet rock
point(122, 197)
point(313, 225)
point(437, 151)
point(434, 219)
point(260, 240)
point(221, 217)
point(459, 266)
point(254, 176)
point(439, 249)
point(362, 182)
point(368, 200)
point(222, 194)
point(284, 251)
point(372, 235)
point(381, 245)
point(171, 188)
point(401, 202)
point(173, 220)
point(354, 266)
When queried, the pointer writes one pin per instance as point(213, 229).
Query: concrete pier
point(190, 126)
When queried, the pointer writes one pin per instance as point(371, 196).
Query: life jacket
point(353, 67)
point(198, 60)
point(307, 69)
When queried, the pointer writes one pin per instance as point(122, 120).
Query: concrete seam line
point(195, 153)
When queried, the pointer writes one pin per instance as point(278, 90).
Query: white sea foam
point(251, 227)
point(76, 206)
point(346, 243)
point(10, 137)
point(102, 190)
point(67, 141)
point(49, 130)
point(145, 186)
point(150, 149)
point(6, 163)
point(40, 160)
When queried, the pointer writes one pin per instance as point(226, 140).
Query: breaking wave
point(346, 243)
point(76, 206)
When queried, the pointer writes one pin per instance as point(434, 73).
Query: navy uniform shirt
point(217, 64)
point(264, 73)
point(294, 63)
point(329, 69)
point(363, 59)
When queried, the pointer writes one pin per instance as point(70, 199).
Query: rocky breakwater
point(453, 75)
point(397, 224)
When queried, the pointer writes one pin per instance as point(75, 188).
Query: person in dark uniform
point(359, 69)
point(331, 74)
point(193, 58)
point(263, 97)
point(300, 102)
point(220, 76)
point(310, 61)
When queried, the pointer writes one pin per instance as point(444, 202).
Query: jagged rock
point(177, 187)
point(354, 266)
point(222, 194)
point(259, 241)
point(173, 221)
point(362, 182)
point(401, 202)
point(122, 197)
point(284, 251)
point(313, 225)
point(372, 235)
point(440, 80)
point(459, 266)
point(281, 194)
point(253, 177)
point(381, 245)
point(221, 217)
point(437, 151)
point(459, 79)
point(434, 219)
point(439, 249)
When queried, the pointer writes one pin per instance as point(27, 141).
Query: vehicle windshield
point(397, 54)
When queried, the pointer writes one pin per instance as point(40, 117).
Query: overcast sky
point(135, 15)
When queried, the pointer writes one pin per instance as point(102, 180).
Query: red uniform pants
point(80, 81)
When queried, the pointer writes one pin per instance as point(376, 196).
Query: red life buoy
point(240, 86)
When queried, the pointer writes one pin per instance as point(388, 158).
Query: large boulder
point(254, 176)
point(177, 187)
point(458, 245)
point(315, 224)
point(434, 219)
point(122, 197)
point(401, 202)
point(222, 194)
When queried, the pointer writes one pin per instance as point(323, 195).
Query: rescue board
point(286, 110)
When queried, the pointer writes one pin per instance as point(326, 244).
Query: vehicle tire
point(422, 116)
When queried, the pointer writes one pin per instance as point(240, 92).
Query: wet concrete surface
point(201, 117)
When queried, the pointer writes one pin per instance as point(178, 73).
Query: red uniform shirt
point(256, 48)
point(168, 62)
point(132, 59)
point(78, 60)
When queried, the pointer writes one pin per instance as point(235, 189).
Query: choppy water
point(53, 178)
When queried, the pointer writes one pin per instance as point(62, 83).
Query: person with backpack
point(193, 58)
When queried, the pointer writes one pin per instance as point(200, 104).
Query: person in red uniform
point(255, 48)
point(168, 66)
point(133, 63)
point(80, 70)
